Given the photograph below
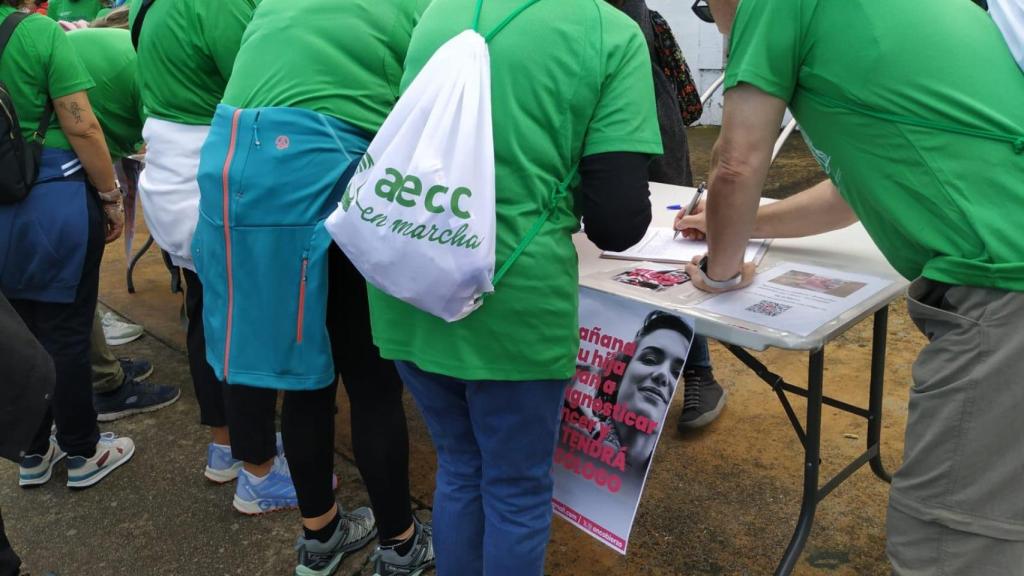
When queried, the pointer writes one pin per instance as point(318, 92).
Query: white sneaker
point(36, 469)
point(118, 332)
point(111, 452)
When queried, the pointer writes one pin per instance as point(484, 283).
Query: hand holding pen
point(690, 210)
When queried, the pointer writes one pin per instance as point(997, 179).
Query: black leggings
point(380, 439)
point(307, 428)
point(209, 390)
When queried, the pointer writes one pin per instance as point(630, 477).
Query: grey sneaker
point(387, 562)
point(117, 331)
point(356, 529)
point(703, 399)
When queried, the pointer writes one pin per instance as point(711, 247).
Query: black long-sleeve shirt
point(616, 199)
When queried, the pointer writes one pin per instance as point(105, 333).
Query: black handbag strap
point(6, 32)
point(137, 25)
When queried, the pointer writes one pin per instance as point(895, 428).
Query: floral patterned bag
point(672, 63)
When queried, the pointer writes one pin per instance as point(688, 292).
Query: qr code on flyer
point(768, 308)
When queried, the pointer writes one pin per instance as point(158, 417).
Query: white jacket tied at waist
point(168, 186)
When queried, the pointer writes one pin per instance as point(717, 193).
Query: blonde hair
point(116, 18)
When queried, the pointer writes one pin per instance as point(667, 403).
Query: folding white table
point(850, 250)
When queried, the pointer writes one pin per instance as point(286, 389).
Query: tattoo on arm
point(75, 110)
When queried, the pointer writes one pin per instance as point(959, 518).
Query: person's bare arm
point(739, 165)
point(83, 131)
point(816, 210)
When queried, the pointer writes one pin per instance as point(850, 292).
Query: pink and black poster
point(630, 361)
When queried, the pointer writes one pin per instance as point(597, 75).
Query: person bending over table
point(923, 142)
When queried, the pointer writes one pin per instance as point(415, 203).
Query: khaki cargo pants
point(107, 374)
point(957, 503)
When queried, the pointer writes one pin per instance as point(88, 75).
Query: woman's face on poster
point(651, 375)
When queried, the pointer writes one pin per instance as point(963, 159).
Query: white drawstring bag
point(418, 217)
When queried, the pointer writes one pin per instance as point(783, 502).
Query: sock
point(402, 547)
point(254, 479)
point(324, 534)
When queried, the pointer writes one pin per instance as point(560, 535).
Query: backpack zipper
point(302, 299)
point(227, 238)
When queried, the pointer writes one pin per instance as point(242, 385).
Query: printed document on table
point(796, 298)
point(658, 245)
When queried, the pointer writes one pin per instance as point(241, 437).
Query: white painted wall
point(702, 47)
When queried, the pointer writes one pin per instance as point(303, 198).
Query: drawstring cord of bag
point(494, 31)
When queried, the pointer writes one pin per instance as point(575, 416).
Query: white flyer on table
point(658, 245)
point(796, 298)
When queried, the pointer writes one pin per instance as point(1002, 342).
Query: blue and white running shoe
point(221, 466)
point(275, 491)
point(36, 469)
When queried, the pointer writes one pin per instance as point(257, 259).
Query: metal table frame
point(809, 433)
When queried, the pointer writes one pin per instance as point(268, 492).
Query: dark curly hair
point(656, 320)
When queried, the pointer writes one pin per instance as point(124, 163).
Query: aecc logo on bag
point(404, 190)
point(397, 188)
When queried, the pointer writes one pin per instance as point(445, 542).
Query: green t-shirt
point(569, 78)
point(353, 76)
point(938, 204)
point(109, 58)
point(71, 10)
point(39, 62)
point(186, 51)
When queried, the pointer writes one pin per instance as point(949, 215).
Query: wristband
point(733, 282)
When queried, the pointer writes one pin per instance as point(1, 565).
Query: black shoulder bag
point(19, 159)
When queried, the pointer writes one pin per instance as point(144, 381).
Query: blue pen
point(674, 207)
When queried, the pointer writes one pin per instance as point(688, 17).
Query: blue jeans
point(495, 443)
point(700, 356)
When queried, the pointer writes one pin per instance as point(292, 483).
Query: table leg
point(878, 346)
point(812, 453)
